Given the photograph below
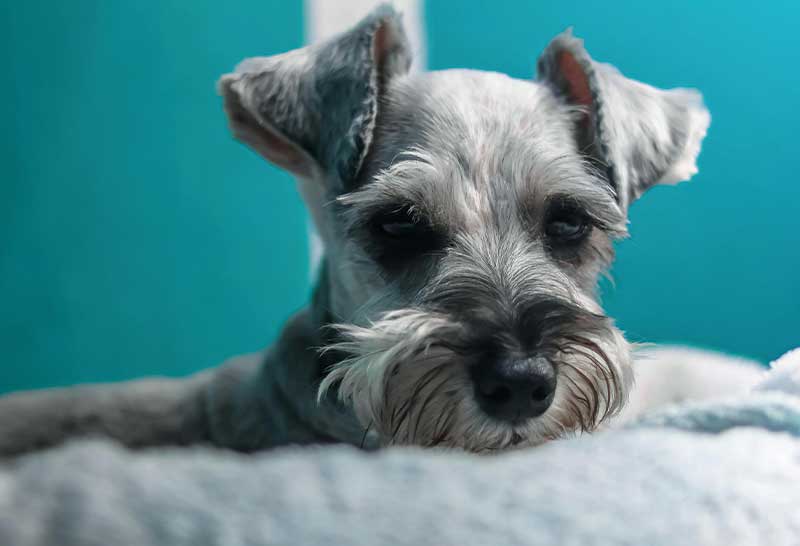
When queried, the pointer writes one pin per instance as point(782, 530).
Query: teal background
point(136, 237)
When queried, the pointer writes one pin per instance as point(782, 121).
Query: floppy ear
point(641, 135)
point(312, 111)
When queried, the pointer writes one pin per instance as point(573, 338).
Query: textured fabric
point(714, 473)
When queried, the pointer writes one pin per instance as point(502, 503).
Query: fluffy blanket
point(723, 472)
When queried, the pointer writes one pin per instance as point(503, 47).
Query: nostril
point(541, 392)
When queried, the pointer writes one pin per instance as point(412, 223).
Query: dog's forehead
point(477, 105)
point(471, 141)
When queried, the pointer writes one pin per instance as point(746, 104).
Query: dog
point(466, 218)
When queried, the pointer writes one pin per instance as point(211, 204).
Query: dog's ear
point(641, 135)
point(312, 111)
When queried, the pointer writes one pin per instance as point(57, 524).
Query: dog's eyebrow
point(396, 186)
point(569, 178)
point(595, 199)
point(373, 199)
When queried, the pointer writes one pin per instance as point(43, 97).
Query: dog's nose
point(514, 389)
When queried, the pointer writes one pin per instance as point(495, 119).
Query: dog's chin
point(407, 385)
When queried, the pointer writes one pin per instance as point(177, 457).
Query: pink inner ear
point(380, 42)
point(577, 82)
point(285, 154)
point(264, 139)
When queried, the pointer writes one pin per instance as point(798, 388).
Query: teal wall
point(137, 238)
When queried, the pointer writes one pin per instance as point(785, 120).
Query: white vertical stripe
point(323, 19)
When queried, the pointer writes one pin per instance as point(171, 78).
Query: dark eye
point(402, 234)
point(566, 224)
point(399, 226)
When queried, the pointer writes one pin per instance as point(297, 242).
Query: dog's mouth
point(408, 382)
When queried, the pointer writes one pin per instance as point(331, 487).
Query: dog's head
point(466, 217)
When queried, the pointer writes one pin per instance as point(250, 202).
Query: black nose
point(514, 389)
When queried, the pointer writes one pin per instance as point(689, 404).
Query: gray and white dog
point(466, 217)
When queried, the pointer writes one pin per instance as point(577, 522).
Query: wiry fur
point(482, 160)
point(408, 336)
point(406, 379)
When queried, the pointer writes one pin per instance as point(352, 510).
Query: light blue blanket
point(725, 473)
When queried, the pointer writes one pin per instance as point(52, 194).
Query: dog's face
point(469, 256)
point(466, 218)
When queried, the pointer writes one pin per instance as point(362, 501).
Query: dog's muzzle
point(439, 379)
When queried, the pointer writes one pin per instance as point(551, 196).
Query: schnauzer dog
point(465, 216)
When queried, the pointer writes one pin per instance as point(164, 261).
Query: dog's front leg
point(137, 414)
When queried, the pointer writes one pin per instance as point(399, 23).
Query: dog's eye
point(567, 224)
point(401, 226)
point(404, 234)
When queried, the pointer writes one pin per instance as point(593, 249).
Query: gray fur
point(383, 354)
point(140, 413)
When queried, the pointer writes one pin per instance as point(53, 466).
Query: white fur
point(406, 388)
point(685, 165)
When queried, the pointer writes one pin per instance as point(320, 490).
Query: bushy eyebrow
point(573, 180)
point(396, 187)
point(411, 183)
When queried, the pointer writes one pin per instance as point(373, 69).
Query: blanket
point(720, 472)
